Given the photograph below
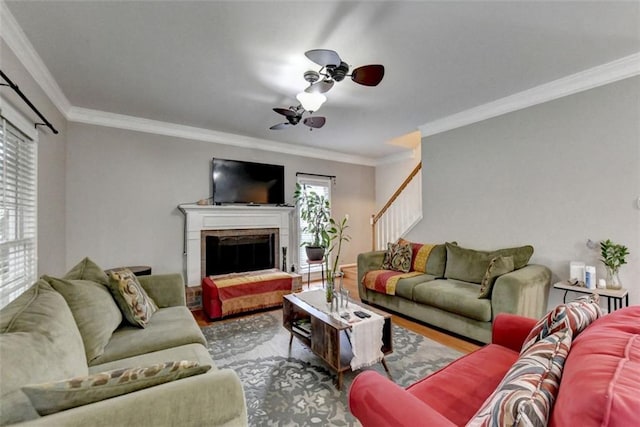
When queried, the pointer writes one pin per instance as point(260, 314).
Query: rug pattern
point(293, 387)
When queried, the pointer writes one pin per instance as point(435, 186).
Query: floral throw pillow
point(49, 398)
point(497, 267)
point(397, 257)
point(136, 306)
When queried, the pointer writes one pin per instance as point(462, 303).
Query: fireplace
point(239, 250)
point(224, 221)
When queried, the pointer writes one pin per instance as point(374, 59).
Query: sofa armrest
point(377, 401)
point(368, 261)
point(524, 292)
point(212, 399)
point(510, 330)
point(167, 290)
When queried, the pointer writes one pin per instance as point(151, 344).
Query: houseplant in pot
point(613, 257)
point(336, 237)
point(315, 212)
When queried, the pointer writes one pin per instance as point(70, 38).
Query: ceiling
point(223, 65)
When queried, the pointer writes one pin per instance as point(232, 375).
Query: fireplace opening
point(234, 251)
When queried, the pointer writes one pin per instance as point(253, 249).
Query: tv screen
point(236, 181)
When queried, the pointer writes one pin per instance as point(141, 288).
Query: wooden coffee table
point(326, 336)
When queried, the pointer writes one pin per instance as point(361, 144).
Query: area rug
point(293, 387)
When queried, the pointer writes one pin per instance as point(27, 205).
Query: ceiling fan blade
point(368, 75)
point(285, 112)
point(323, 57)
point(320, 87)
point(280, 126)
point(314, 121)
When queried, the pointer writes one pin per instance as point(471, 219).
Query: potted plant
point(613, 257)
point(314, 211)
point(336, 237)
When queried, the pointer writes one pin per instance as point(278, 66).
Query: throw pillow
point(135, 304)
point(497, 267)
point(526, 394)
point(576, 316)
point(397, 257)
point(88, 270)
point(470, 265)
point(94, 310)
point(427, 257)
point(49, 398)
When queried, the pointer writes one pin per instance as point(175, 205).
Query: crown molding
point(121, 121)
point(601, 75)
point(402, 156)
point(17, 40)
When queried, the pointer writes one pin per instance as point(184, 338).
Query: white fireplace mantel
point(210, 217)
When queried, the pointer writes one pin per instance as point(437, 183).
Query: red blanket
point(239, 292)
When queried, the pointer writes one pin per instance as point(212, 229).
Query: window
point(321, 186)
point(18, 256)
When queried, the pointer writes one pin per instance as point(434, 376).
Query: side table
point(138, 270)
point(618, 296)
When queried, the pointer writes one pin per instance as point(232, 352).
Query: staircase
point(401, 212)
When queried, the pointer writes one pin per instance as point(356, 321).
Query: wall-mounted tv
point(235, 181)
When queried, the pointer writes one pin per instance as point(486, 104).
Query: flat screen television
point(235, 181)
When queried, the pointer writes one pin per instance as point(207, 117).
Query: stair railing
point(401, 213)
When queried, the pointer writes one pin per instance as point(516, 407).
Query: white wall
point(553, 176)
point(123, 188)
point(51, 164)
point(390, 175)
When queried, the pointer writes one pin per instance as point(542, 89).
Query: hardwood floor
point(349, 282)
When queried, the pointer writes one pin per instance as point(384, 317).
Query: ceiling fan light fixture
point(311, 101)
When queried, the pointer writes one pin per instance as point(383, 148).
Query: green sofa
point(446, 293)
point(40, 342)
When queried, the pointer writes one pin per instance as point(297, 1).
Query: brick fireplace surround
point(200, 220)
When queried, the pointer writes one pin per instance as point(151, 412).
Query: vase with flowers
point(613, 257)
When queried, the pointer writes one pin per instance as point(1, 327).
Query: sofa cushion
point(497, 267)
point(470, 265)
point(428, 258)
point(397, 257)
point(454, 296)
point(196, 352)
point(474, 377)
point(88, 270)
point(94, 311)
point(52, 397)
point(526, 395)
point(405, 286)
point(576, 316)
point(169, 327)
point(39, 342)
point(131, 297)
point(603, 368)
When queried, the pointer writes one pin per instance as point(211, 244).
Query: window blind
point(322, 187)
point(18, 221)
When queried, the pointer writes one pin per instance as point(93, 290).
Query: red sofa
point(600, 383)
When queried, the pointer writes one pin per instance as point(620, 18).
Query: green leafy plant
point(613, 255)
point(336, 236)
point(315, 212)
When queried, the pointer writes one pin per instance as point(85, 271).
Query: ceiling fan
point(334, 69)
point(294, 116)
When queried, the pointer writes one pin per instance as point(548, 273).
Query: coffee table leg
point(339, 386)
point(386, 368)
point(290, 340)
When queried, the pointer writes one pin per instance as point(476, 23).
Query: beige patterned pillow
point(135, 304)
point(397, 257)
point(49, 398)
